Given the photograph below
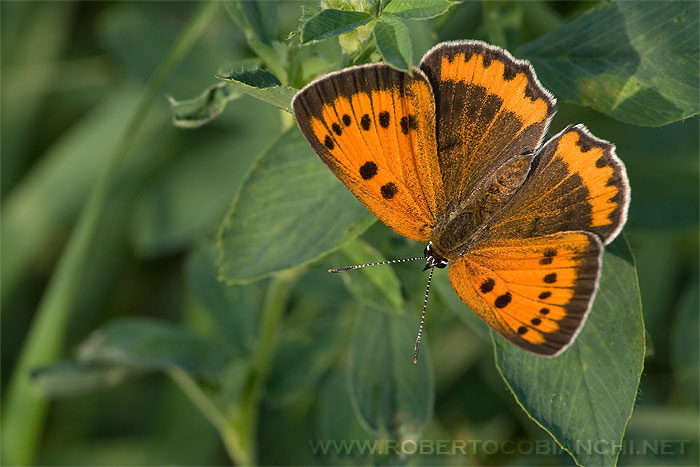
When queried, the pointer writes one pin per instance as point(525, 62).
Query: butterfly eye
point(428, 251)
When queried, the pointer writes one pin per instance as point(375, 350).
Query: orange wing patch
point(578, 184)
point(587, 159)
point(375, 128)
point(535, 292)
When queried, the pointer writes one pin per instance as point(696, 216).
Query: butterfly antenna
point(348, 268)
point(422, 318)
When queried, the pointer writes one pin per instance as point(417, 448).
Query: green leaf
point(377, 287)
point(586, 395)
point(394, 43)
point(263, 85)
point(193, 113)
point(154, 345)
point(257, 18)
point(331, 23)
point(233, 309)
point(417, 9)
point(289, 211)
point(69, 378)
point(636, 61)
point(392, 397)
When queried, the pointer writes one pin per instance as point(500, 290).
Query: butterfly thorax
point(467, 216)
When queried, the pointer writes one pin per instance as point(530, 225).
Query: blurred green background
point(72, 77)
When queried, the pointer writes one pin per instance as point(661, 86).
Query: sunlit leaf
point(394, 43)
point(330, 23)
point(636, 61)
point(418, 9)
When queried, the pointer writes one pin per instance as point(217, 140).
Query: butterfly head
point(432, 259)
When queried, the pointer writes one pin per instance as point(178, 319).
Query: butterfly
point(452, 155)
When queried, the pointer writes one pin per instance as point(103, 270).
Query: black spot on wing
point(549, 254)
point(365, 122)
point(487, 286)
point(503, 300)
point(368, 170)
point(384, 119)
point(389, 190)
point(404, 125)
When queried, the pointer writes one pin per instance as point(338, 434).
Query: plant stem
point(210, 410)
point(24, 412)
point(245, 421)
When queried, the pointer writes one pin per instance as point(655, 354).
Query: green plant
point(267, 331)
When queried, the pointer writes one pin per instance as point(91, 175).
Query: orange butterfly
point(451, 156)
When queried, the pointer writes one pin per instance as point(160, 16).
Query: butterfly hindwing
point(375, 129)
point(536, 292)
point(490, 108)
point(578, 183)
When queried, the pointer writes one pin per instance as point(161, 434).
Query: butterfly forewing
point(536, 292)
point(375, 128)
point(490, 107)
